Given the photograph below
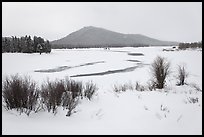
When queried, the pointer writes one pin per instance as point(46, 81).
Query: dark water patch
point(91, 63)
point(58, 69)
point(136, 54)
point(133, 60)
point(129, 69)
point(62, 68)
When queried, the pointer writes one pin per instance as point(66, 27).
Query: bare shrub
point(123, 87)
point(164, 108)
point(74, 86)
point(192, 100)
point(116, 88)
point(139, 87)
point(151, 85)
point(63, 93)
point(68, 102)
point(160, 69)
point(196, 86)
point(89, 90)
point(51, 93)
point(182, 75)
point(20, 93)
point(130, 86)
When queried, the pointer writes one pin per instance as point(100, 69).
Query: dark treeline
point(25, 44)
point(184, 46)
point(57, 46)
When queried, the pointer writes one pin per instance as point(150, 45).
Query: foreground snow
point(131, 112)
point(167, 111)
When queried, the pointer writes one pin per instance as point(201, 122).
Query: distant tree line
point(25, 44)
point(184, 46)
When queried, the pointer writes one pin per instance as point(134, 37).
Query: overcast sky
point(171, 21)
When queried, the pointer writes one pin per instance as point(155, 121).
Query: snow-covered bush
point(89, 90)
point(20, 93)
point(160, 69)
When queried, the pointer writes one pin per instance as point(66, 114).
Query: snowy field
point(166, 111)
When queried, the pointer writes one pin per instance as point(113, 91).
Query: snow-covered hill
point(93, 36)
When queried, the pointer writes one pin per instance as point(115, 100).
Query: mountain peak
point(91, 28)
point(90, 36)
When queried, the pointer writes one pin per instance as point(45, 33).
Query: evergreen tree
point(7, 45)
point(25, 44)
point(3, 45)
point(35, 43)
point(47, 47)
point(29, 45)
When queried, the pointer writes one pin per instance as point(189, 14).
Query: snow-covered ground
point(167, 111)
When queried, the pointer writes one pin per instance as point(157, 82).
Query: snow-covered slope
point(94, 36)
point(127, 113)
point(167, 111)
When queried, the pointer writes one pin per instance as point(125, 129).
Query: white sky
point(171, 21)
